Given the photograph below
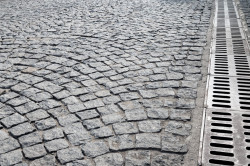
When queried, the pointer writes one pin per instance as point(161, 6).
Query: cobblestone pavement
point(99, 82)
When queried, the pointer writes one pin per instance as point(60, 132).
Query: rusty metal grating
point(227, 138)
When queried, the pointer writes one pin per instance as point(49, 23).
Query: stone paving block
point(53, 134)
point(30, 139)
point(56, 145)
point(125, 128)
point(48, 160)
point(8, 144)
point(148, 140)
point(11, 158)
point(139, 157)
point(88, 114)
point(69, 154)
point(35, 151)
point(136, 114)
point(67, 119)
point(95, 148)
point(121, 142)
point(37, 115)
point(149, 126)
point(45, 124)
point(13, 120)
point(111, 159)
point(102, 132)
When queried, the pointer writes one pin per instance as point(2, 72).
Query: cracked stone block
point(95, 148)
point(148, 140)
point(125, 128)
point(136, 114)
point(30, 139)
point(11, 158)
point(69, 154)
point(168, 160)
point(45, 124)
point(121, 142)
point(178, 128)
point(35, 151)
point(136, 158)
point(102, 132)
point(158, 113)
point(13, 120)
point(56, 145)
point(8, 144)
point(48, 160)
point(67, 119)
point(111, 159)
point(53, 134)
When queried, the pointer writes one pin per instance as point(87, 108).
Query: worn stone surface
point(136, 158)
point(111, 159)
point(100, 82)
point(34, 151)
point(69, 154)
point(96, 148)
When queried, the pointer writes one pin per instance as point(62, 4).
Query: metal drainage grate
point(227, 138)
point(222, 33)
point(232, 93)
point(230, 65)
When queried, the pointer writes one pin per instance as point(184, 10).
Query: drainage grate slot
point(226, 141)
point(221, 162)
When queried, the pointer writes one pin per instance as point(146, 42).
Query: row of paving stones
point(99, 82)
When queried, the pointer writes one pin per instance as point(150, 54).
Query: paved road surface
point(100, 82)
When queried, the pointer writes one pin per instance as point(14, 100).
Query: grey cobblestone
point(99, 83)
